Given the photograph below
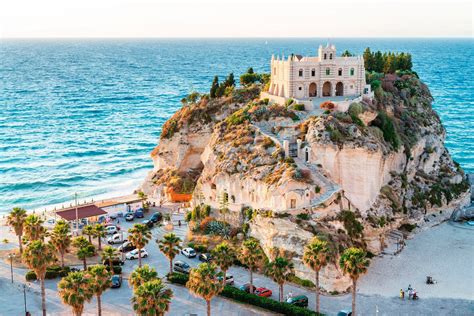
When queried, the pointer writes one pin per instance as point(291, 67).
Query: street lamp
point(11, 256)
point(24, 297)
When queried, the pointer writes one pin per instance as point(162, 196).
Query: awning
point(83, 211)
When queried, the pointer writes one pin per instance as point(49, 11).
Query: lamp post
point(11, 256)
point(24, 297)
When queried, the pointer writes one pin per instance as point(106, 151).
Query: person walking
point(402, 294)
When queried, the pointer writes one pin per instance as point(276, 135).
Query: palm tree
point(16, 219)
point(38, 256)
point(152, 298)
point(88, 230)
point(109, 254)
point(280, 270)
point(252, 256)
point(139, 236)
point(169, 246)
point(61, 239)
point(224, 256)
point(84, 249)
point(100, 282)
point(99, 233)
point(354, 263)
point(204, 282)
point(316, 256)
point(34, 229)
point(142, 275)
point(75, 289)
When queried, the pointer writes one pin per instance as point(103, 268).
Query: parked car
point(139, 213)
point(189, 252)
point(246, 288)
point(206, 257)
point(116, 239)
point(180, 266)
point(156, 217)
point(115, 262)
point(344, 312)
point(134, 254)
point(113, 216)
point(120, 214)
point(263, 291)
point(111, 229)
point(229, 279)
point(116, 281)
point(148, 223)
point(126, 247)
point(129, 216)
point(300, 300)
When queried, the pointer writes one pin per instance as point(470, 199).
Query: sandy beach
point(445, 252)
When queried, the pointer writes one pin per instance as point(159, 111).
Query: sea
point(82, 115)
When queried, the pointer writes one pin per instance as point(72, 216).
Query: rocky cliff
point(358, 177)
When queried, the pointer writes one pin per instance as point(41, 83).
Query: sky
point(235, 18)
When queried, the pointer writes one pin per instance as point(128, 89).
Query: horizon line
point(234, 37)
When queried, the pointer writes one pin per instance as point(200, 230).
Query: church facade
point(325, 75)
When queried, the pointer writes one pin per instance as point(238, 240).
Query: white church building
point(325, 75)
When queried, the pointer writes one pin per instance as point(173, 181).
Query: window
point(300, 73)
point(274, 70)
point(313, 72)
point(325, 56)
point(339, 72)
point(328, 71)
point(352, 87)
point(293, 203)
point(299, 88)
point(330, 56)
point(352, 71)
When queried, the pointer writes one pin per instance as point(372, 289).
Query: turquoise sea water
point(83, 115)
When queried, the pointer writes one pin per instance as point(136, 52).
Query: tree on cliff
point(252, 256)
point(316, 256)
point(16, 220)
point(214, 87)
point(354, 263)
point(280, 270)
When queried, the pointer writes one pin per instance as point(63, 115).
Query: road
point(117, 301)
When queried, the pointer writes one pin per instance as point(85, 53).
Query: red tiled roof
point(83, 211)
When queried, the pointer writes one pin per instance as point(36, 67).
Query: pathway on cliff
point(329, 188)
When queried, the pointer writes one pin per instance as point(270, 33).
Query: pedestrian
point(179, 223)
point(402, 294)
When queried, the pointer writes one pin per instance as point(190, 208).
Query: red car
point(262, 291)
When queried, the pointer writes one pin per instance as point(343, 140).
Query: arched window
point(330, 56)
point(313, 72)
point(328, 71)
point(300, 73)
point(274, 70)
point(325, 56)
point(352, 71)
point(339, 72)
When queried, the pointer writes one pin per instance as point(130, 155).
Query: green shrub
point(289, 102)
point(353, 227)
point(247, 298)
point(298, 107)
point(407, 227)
point(385, 123)
point(355, 109)
point(117, 269)
point(336, 136)
point(303, 216)
point(51, 274)
point(30, 276)
point(302, 282)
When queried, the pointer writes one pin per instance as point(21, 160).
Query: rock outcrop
point(353, 178)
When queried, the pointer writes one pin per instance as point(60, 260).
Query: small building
point(325, 75)
point(87, 211)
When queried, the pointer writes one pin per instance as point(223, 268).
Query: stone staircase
point(329, 187)
point(395, 242)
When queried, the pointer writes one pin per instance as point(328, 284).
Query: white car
point(189, 252)
point(116, 239)
point(134, 254)
point(111, 229)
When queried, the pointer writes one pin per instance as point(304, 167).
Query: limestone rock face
point(289, 237)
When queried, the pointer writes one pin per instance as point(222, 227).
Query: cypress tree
point(230, 81)
point(214, 87)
